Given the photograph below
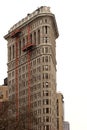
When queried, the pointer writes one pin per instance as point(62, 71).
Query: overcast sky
point(71, 17)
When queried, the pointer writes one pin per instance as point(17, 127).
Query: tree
point(8, 119)
point(3, 115)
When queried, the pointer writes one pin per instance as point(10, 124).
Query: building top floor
point(41, 10)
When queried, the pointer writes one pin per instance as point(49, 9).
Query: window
point(39, 119)
point(45, 101)
point(45, 29)
point(13, 51)
point(45, 39)
point(46, 59)
point(46, 76)
point(45, 93)
point(47, 118)
point(20, 47)
point(46, 84)
point(30, 64)
point(34, 71)
point(35, 104)
point(38, 36)
point(39, 111)
point(23, 76)
point(46, 49)
point(34, 37)
point(42, 59)
point(39, 95)
point(26, 39)
point(47, 127)
point(45, 20)
point(38, 51)
point(49, 67)
point(45, 110)
point(49, 59)
point(23, 41)
point(42, 50)
point(23, 69)
point(34, 62)
point(10, 53)
point(30, 38)
point(39, 69)
point(46, 67)
point(38, 60)
point(13, 74)
point(19, 70)
point(39, 103)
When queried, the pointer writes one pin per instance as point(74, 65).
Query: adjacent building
point(60, 110)
point(3, 96)
point(66, 125)
point(3, 93)
point(3, 106)
point(32, 69)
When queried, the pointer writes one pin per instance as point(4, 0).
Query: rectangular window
point(38, 36)
point(45, 93)
point(47, 127)
point(47, 110)
point(30, 38)
point(42, 59)
point(46, 49)
point(45, 39)
point(20, 47)
point(42, 50)
point(46, 84)
point(43, 85)
point(46, 59)
point(10, 53)
point(45, 101)
point(34, 37)
point(46, 67)
point(13, 51)
point(47, 118)
point(46, 30)
point(46, 76)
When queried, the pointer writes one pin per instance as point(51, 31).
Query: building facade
point(60, 111)
point(32, 67)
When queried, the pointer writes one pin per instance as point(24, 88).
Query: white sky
point(71, 17)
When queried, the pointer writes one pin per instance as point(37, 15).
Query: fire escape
point(26, 48)
point(15, 34)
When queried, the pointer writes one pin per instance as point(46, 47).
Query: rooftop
point(42, 9)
